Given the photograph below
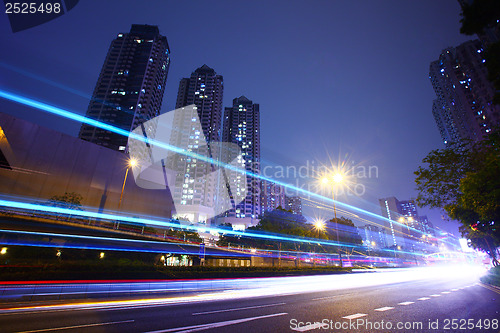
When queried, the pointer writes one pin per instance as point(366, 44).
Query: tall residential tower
point(196, 182)
point(242, 126)
point(130, 87)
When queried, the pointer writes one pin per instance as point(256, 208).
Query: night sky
point(333, 78)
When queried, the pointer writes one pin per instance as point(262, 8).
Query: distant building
point(39, 163)
point(294, 204)
point(272, 196)
point(463, 109)
point(406, 226)
point(427, 226)
point(131, 85)
point(373, 236)
point(241, 126)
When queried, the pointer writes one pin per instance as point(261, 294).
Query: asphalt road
point(372, 302)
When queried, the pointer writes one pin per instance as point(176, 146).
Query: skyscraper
point(130, 87)
point(196, 183)
point(242, 126)
point(463, 109)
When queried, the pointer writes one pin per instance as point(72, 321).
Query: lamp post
point(337, 178)
point(131, 164)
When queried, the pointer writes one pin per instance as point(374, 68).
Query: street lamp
point(132, 163)
point(334, 180)
point(319, 226)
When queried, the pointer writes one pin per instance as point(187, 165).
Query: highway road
point(411, 300)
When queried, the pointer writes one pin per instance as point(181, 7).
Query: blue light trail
point(71, 115)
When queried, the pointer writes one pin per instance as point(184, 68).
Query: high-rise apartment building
point(294, 204)
point(272, 196)
point(130, 87)
point(196, 181)
point(463, 109)
point(242, 126)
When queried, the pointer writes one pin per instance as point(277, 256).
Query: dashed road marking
point(308, 327)
point(424, 298)
point(405, 303)
point(435, 295)
point(354, 316)
point(445, 292)
point(385, 308)
point(455, 289)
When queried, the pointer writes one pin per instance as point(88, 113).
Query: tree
point(476, 17)
point(70, 200)
point(464, 181)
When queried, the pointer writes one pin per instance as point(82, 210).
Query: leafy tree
point(70, 200)
point(476, 17)
point(464, 181)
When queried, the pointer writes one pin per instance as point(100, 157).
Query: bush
point(493, 276)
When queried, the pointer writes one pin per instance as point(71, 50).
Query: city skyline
point(281, 144)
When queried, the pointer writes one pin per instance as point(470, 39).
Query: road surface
point(411, 300)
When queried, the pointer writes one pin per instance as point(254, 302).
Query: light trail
point(106, 216)
point(270, 287)
point(71, 115)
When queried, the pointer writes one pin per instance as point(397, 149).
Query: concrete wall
point(45, 163)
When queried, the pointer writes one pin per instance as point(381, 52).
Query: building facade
point(272, 196)
point(463, 109)
point(130, 87)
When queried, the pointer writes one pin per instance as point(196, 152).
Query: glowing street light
point(3, 250)
point(319, 226)
point(101, 255)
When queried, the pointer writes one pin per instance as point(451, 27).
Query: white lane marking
point(385, 308)
point(435, 295)
point(208, 326)
point(237, 309)
point(454, 289)
point(423, 298)
point(405, 303)
point(79, 326)
point(308, 327)
point(354, 316)
point(445, 292)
